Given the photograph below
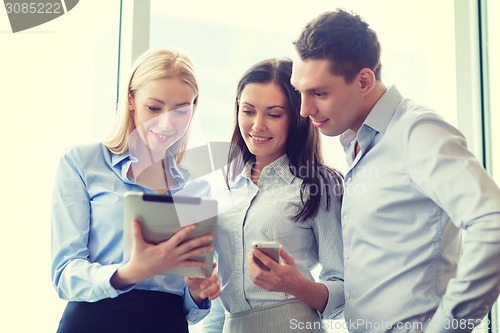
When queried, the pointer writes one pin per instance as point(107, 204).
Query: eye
point(247, 112)
point(153, 108)
point(275, 116)
point(182, 111)
point(319, 94)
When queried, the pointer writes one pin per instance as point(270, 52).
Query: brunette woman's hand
point(282, 277)
point(147, 259)
point(286, 277)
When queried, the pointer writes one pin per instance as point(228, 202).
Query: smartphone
point(270, 248)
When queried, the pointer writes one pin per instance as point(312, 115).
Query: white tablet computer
point(163, 215)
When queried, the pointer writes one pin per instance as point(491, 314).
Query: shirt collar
point(382, 112)
point(280, 166)
point(179, 173)
point(379, 117)
point(118, 158)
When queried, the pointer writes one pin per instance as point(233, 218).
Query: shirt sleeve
point(440, 164)
point(74, 277)
point(193, 312)
point(214, 322)
point(328, 233)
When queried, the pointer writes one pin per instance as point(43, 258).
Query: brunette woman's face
point(263, 120)
point(163, 110)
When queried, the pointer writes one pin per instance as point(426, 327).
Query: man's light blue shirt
point(87, 225)
point(408, 194)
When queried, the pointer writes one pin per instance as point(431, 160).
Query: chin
point(327, 132)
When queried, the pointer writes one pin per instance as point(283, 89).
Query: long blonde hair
point(151, 65)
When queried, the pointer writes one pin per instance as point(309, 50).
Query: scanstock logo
point(26, 14)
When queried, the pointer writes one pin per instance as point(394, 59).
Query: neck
point(371, 99)
point(155, 177)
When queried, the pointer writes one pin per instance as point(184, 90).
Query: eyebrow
point(315, 89)
point(176, 105)
point(267, 108)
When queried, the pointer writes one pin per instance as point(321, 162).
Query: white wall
point(57, 88)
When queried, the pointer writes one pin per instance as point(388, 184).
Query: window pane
point(225, 38)
point(493, 72)
point(58, 87)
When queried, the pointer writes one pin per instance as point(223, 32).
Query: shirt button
point(268, 171)
point(346, 256)
point(346, 218)
point(349, 179)
point(277, 181)
point(348, 295)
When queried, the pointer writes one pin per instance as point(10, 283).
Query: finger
point(214, 296)
point(216, 293)
point(266, 260)
point(194, 279)
point(286, 257)
point(253, 267)
point(138, 237)
point(193, 254)
point(212, 279)
point(180, 235)
point(195, 243)
point(190, 263)
point(211, 290)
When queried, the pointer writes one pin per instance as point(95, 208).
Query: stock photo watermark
point(26, 14)
point(367, 325)
point(359, 324)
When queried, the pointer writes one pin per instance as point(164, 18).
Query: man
point(412, 186)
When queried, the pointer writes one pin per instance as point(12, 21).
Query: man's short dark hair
point(345, 40)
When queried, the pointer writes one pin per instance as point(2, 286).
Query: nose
point(307, 107)
point(164, 120)
point(259, 122)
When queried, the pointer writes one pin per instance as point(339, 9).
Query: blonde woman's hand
point(148, 259)
point(202, 288)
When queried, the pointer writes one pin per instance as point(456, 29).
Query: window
point(491, 48)
point(224, 39)
point(58, 89)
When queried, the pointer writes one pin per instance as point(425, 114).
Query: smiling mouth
point(162, 137)
point(318, 123)
point(260, 139)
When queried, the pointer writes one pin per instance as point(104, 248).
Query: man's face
point(332, 104)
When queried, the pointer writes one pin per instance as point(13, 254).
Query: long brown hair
point(302, 146)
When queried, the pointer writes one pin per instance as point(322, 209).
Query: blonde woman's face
point(163, 110)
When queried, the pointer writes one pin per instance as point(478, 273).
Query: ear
point(366, 79)
point(131, 105)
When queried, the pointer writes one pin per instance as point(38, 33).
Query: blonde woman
point(105, 293)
